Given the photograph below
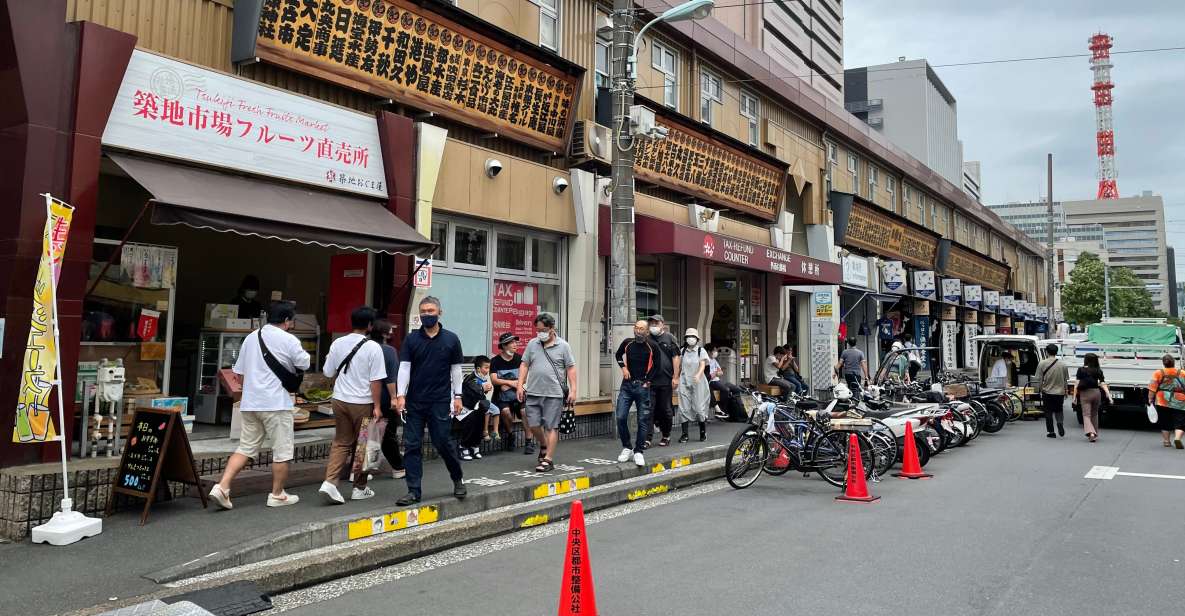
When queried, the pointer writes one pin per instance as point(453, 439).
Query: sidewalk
point(181, 539)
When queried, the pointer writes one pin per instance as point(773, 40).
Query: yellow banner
point(34, 422)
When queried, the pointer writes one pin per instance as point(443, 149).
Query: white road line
point(1152, 475)
point(1110, 472)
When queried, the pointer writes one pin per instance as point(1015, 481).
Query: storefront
point(979, 281)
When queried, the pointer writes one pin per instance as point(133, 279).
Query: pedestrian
point(1091, 393)
point(662, 390)
point(771, 372)
point(381, 333)
point(1000, 374)
point(547, 385)
point(357, 362)
point(1167, 392)
point(852, 366)
point(504, 374)
point(638, 358)
point(475, 389)
point(915, 359)
point(693, 387)
point(729, 407)
point(1052, 377)
point(429, 395)
point(793, 372)
point(266, 407)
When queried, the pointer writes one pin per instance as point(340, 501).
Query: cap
point(505, 338)
point(691, 331)
point(656, 317)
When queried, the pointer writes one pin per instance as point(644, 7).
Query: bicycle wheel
point(1015, 405)
point(997, 417)
point(919, 445)
point(746, 455)
point(775, 464)
point(829, 456)
point(884, 451)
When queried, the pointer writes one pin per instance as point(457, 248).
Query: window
point(710, 91)
point(602, 63)
point(905, 200)
point(545, 258)
point(832, 153)
point(440, 236)
point(470, 246)
point(549, 24)
point(751, 110)
point(512, 252)
point(666, 62)
point(852, 164)
point(853, 169)
point(872, 177)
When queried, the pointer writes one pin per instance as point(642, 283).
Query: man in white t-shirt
point(265, 406)
point(357, 362)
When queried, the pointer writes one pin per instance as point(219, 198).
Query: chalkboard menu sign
point(157, 451)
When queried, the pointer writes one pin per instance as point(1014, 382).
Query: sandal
point(545, 466)
point(542, 453)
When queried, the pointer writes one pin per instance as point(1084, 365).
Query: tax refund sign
point(177, 110)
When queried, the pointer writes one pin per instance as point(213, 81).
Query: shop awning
point(229, 203)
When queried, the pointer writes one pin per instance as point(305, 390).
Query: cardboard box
point(230, 324)
point(220, 311)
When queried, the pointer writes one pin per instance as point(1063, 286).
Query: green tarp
point(1105, 333)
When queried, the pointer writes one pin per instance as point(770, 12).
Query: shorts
point(544, 411)
point(492, 409)
point(1169, 419)
point(516, 407)
point(260, 424)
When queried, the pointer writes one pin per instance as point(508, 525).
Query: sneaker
point(459, 490)
point(529, 448)
point(466, 455)
point(362, 493)
point(330, 494)
point(283, 500)
point(639, 460)
point(410, 498)
point(398, 473)
point(1178, 444)
point(625, 455)
point(220, 496)
point(721, 415)
point(477, 454)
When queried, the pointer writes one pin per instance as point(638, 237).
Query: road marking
point(1152, 475)
point(397, 520)
point(1110, 472)
point(641, 493)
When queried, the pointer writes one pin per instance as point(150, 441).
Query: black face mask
point(429, 320)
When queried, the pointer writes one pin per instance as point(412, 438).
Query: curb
point(343, 529)
point(325, 565)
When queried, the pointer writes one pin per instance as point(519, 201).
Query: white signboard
point(855, 271)
point(173, 109)
point(893, 276)
point(991, 301)
point(973, 295)
point(952, 290)
point(1007, 303)
point(923, 284)
point(950, 345)
point(970, 352)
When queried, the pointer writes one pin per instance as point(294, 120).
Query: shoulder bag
point(289, 380)
point(568, 418)
point(345, 365)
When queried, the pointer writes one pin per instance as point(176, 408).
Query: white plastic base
point(67, 527)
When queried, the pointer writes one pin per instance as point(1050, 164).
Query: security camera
point(559, 185)
point(493, 167)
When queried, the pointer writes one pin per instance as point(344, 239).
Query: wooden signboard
point(412, 54)
point(966, 265)
point(156, 453)
point(879, 233)
point(690, 161)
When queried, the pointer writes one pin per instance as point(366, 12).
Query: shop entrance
point(737, 322)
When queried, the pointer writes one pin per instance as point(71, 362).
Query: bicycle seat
point(806, 405)
point(877, 405)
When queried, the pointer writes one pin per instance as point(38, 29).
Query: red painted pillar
point(397, 136)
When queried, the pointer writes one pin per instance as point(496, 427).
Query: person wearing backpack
point(359, 367)
point(1167, 393)
point(1052, 376)
point(266, 405)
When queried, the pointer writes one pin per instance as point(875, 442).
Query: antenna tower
point(1100, 64)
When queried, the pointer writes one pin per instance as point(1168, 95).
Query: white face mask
point(691, 341)
point(249, 294)
point(655, 331)
point(543, 336)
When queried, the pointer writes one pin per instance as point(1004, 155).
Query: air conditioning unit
point(591, 141)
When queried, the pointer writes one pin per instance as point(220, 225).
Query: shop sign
point(991, 301)
point(921, 334)
point(824, 304)
point(950, 345)
point(970, 350)
point(893, 275)
point(409, 53)
point(973, 296)
point(952, 290)
point(177, 110)
point(855, 271)
point(690, 161)
point(423, 279)
point(1007, 304)
point(879, 233)
point(923, 284)
point(1043, 312)
point(946, 312)
point(515, 306)
point(970, 266)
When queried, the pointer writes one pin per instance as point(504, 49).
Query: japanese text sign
point(410, 53)
point(878, 232)
point(970, 266)
point(178, 110)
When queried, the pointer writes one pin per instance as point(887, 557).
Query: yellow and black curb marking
point(566, 486)
point(538, 519)
point(396, 520)
point(675, 463)
point(641, 493)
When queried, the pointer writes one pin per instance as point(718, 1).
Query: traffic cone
point(576, 592)
point(855, 488)
point(910, 467)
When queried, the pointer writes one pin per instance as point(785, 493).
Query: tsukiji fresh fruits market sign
point(173, 109)
point(881, 234)
point(416, 55)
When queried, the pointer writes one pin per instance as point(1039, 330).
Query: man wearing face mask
point(638, 359)
point(547, 382)
point(662, 388)
point(247, 298)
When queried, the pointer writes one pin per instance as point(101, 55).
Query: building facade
point(973, 179)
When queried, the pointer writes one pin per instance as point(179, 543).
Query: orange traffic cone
point(910, 467)
point(576, 593)
point(855, 489)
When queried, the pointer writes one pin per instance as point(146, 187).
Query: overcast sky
point(1011, 115)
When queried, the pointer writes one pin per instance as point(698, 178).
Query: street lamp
point(695, 9)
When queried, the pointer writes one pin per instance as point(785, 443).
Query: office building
point(1032, 219)
point(972, 182)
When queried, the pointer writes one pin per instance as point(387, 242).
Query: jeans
point(436, 416)
point(1052, 405)
point(633, 392)
point(785, 386)
point(797, 382)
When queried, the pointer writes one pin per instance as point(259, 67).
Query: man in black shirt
point(638, 358)
point(661, 390)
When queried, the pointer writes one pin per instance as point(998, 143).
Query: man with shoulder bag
point(547, 387)
point(271, 364)
point(1052, 377)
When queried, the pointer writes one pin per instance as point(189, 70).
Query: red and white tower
point(1100, 64)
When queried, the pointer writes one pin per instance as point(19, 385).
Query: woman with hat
point(693, 385)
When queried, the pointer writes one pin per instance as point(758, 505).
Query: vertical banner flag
point(34, 422)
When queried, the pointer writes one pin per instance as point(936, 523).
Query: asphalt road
point(1009, 525)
